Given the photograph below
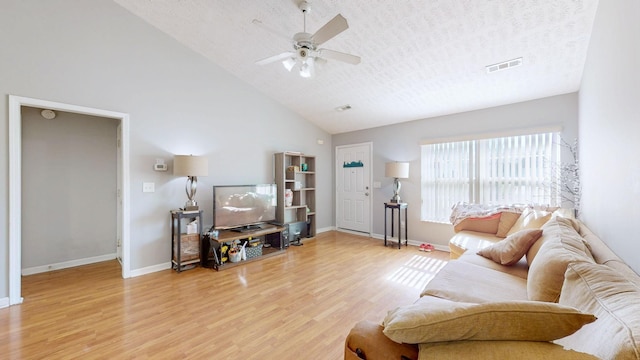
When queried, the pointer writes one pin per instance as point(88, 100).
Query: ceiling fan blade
point(275, 58)
point(340, 56)
point(271, 30)
point(334, 27)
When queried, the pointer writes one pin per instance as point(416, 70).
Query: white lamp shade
point(399, 170)
point(189, 165)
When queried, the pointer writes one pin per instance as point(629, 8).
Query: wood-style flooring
point(298, 305)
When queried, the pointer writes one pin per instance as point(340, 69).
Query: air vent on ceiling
point(504, 65)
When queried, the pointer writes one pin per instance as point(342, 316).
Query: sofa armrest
point(486, 224)
point(367, 336)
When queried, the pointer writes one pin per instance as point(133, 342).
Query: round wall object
point(48, 114)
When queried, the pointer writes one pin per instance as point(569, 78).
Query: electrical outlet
point(148, 187)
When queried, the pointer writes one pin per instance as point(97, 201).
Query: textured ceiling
point(420, 58)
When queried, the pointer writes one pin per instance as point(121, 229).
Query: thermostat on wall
point(160, 165)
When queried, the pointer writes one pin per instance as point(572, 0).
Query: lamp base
point(396, 192)
point(191, 205)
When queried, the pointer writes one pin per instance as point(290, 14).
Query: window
point(506, 170)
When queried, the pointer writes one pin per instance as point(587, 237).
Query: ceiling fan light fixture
point(289, 63)
point(305, 45)
point(306, 70)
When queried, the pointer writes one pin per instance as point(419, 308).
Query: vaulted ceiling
point(420, 58)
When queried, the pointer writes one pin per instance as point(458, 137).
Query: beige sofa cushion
point(507, 220)
point(466, 282)
point(487, 224)
point(471, 241)
point(492, 350)
point(614, 300)
point(432, 319)
point(510, 250)
point(561, 246)
point(520, 269)
point(530, 219)
point(533, 250)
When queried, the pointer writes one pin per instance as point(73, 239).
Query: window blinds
point(506, 170)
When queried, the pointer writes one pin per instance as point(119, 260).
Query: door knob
point(366, 194)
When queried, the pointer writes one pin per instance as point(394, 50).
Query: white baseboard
point(67, 264)
point(325, 229)
point(151, 269)
point(444, 248)
point(4, 302)
point(352, 232)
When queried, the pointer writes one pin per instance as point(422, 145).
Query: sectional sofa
point(529, 285)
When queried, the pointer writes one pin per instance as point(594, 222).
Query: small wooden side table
point(185, 248)
point(399, 207)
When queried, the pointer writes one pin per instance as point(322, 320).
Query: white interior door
point(353, 187)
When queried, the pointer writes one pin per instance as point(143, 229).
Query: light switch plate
point(377, 185)
point(148, 187)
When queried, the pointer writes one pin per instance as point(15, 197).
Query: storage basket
point(189, 247)
point(253, 251)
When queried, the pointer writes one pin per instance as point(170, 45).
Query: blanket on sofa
point(462, 210)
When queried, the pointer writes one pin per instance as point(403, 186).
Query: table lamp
point(396, 170)
point(191, 167)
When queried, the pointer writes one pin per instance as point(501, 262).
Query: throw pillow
point(614, 299)
point(561, 245)
point(530, 219)
point(487, 224)
point(507, 220)
point(510, 250)
point(433, 319)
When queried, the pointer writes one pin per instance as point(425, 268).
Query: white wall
point(610, 128)
point(402, 143)
point(68, 187)
point(96, 54)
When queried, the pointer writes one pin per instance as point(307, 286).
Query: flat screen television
point(243, 207)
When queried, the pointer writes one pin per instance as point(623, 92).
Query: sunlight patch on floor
point(417, 272)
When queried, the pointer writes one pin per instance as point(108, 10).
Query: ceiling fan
point(305, 51)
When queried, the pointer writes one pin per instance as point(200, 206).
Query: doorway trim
point(15, 184)
point(335, 184)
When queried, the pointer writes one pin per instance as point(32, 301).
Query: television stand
point(247, 229)
point(258, 235)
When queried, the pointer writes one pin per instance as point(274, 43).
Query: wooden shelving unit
point(296, 172)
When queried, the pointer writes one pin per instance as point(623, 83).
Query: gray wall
point(68, 187)
point(96, 54)
point(610, 128)
point(402, 143)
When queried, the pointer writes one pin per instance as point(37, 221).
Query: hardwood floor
point(299, 305)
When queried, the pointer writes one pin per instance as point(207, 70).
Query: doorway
point(15, 183)
point(353, 187)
